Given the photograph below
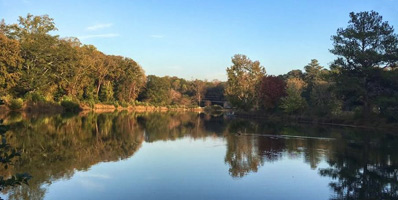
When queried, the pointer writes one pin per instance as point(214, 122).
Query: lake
point(125, 155)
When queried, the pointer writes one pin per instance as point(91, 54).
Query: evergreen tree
point(365, 46)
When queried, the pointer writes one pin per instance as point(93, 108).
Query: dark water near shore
point(190, 156)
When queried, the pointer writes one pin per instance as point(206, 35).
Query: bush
point(388, 108)
point(35, 97)
point(217, 108)
point(70, 106)
point(139, 103)
point(214, 109)
point(116, 104)
point(91, 103)
point(124, 104)
point(15, 104)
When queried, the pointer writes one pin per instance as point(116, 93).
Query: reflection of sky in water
point(189, 156)
point(191, 169)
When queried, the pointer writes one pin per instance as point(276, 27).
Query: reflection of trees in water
point(165, 126)
point(247, 153)
point(248, 150)
point(242, 155)
point(364, 169)
point(171, 126)
point(53, 147)
point(363, 166)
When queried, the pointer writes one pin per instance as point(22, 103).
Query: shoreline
point(52, 109)
point(105, 107)
point(58, 109)
point(307, 119)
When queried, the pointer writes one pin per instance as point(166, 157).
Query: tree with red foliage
point(271, 91)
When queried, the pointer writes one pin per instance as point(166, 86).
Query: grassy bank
point(70, 106)
point(139, 108)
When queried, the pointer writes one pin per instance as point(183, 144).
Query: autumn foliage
point(271, 91)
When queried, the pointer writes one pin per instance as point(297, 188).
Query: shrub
point(124, 104)
point(70, 106)
point(15, 104)
point(213, 109)
point(216, 107)
point(35, 97)
point(91, 103)
point(388, 108)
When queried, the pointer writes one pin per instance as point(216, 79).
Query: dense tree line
point(36, 65)
point(162, 91)
point(362, 81)
point(39, 66)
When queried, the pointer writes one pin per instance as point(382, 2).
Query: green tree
point(157, 91)
point(106, 92)
point(130, 80)
point(244, 78)
point(38, 49)
point(324, 100)
point(367, 43)
point(320, 90)
point(296, 73)
point(294, 102)
point(314, 72)
point(67, 75)
point(10, 63)
point(35, 64)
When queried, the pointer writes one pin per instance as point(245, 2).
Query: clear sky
point(197, 38)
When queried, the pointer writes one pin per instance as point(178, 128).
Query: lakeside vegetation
point(39, 69)
point(361, 84)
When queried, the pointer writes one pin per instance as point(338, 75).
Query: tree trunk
point(366, 104)
point(98, 88)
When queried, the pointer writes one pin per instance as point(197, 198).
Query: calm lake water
point(191, 156)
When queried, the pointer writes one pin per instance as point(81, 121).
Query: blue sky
point(197, 38)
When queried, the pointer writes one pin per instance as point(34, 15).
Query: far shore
point(57, 109)
point(281, 118)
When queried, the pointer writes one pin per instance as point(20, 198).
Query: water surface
point(190, 156)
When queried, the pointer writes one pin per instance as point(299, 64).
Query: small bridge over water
point(214, 100)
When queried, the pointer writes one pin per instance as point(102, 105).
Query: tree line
point(176, 91)
point(362, 81)
point(38, 66)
